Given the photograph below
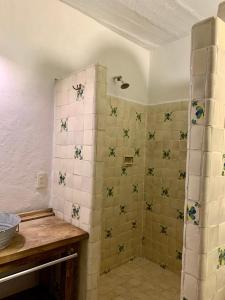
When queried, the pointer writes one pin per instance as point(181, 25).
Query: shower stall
point(144, 190)
point(119, 173)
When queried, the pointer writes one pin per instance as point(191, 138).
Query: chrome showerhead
point(124, 85)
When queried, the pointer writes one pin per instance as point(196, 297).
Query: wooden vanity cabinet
point(41, 241)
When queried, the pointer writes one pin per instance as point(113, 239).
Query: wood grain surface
point(41, 235)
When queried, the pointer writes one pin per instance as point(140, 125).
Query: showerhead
point(124, 85)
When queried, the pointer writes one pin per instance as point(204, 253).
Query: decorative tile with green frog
point(149, 206)
point(79, 91)
point(126, 133)
point(178, 255)
point(165, 192)
point(168, 116)
point(183, 135)
point(180, 215)
point(182, 175)
point(112, 152)
point(135, 188)
point(121, 248)
point(76, 211)
point(62, 178)
point(78, 152)
point(123, 210)
point(123, 171)
point(108, 233)
point(109, 192)
point(163, 229)
point(137, 152)
point(64, 124)
point(166, 154)
point(139, 117)
point(151, 172)
point(134, 224)
point(151, 135)
point(114, 111)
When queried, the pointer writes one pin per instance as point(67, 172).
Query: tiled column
point(77, 166)
point(203, 276)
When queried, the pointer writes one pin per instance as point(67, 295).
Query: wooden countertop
point(40, 235)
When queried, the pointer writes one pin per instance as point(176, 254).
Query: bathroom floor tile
point(139, 279)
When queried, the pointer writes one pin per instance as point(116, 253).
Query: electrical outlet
point(42, 180)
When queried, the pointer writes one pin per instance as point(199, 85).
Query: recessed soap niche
point(128, 161)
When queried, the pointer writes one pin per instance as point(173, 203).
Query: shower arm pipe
point(40, 267)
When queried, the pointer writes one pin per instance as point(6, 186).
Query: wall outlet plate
point(42, 180)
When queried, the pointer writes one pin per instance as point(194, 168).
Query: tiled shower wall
point(164, 190)
point(123, 184)
point(77, 164)
point(204, 255)
point(143, 204)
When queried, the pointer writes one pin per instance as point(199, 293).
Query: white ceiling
point(149, 23)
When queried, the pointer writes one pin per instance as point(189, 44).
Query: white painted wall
point(42, 40)
point(25, 136)
point(61, 39)
point(170, 72)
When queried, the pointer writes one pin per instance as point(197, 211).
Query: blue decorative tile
point(193, 212)
point(197, 112)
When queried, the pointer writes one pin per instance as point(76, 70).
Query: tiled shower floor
point(139, 280)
